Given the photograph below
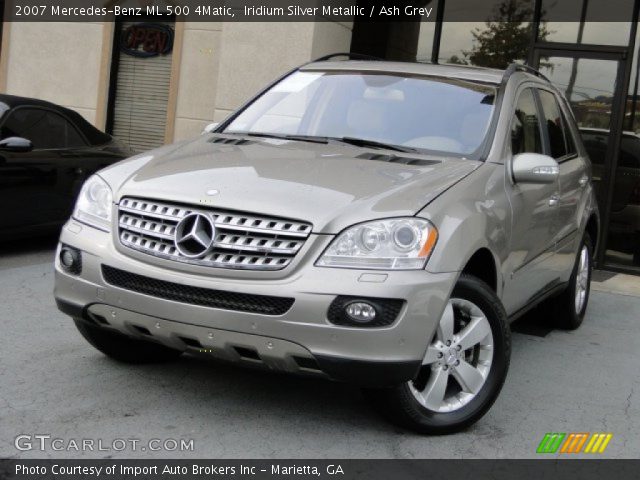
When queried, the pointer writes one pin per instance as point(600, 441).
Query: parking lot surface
point(53, 383)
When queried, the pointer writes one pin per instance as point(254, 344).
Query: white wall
point(198, 80)
point(58, 62)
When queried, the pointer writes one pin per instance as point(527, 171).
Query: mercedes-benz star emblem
point(195, 235)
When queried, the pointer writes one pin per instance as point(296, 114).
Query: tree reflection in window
point(505, 37)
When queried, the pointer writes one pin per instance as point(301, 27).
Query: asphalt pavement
point(54, 385)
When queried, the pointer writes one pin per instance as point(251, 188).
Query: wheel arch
point(482, 265)
point(470, 244)
point(473, 220)
point(592, 229)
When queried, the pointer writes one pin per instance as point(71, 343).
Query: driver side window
point(45, 129)
point(525, 126)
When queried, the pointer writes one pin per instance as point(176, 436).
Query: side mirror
point(16, 144)
point(210, 128)
point(534, 168)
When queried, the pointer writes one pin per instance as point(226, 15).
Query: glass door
point(592, 82)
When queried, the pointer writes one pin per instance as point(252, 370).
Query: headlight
point(94, 203)
point(394, 244)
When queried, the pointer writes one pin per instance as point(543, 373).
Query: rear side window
point(525, 127)
point(571, 143)
point(45, 129)
point(554, 124)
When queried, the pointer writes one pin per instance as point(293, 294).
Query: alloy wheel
point(458, 360)
point(582, 279)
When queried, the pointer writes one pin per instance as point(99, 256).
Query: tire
point(125, 349)
point(413, 404)
point(567, 315)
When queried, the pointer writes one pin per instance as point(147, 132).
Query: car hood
point(330, 186)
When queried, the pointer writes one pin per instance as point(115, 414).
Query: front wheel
point(464, 367)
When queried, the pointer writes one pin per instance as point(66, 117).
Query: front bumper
point(301, 340)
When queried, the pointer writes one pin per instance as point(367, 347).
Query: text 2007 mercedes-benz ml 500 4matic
point(373, 222)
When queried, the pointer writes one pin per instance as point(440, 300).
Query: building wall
point(198, 78)
point(220, 65)
point(59, 62)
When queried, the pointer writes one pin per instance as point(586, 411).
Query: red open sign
point(147, 40)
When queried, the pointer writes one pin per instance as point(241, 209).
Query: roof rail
point(518, 67)
point(350, 56)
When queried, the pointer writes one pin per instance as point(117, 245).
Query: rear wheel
point(463, 369)
point(571, 305)
point(123, 348)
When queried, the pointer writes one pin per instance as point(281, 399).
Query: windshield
point(426, 113)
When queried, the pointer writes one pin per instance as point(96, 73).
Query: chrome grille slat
point(251, 243)
point(243, 241)
point(141, 226)
point(152, 214)
point(258, 230)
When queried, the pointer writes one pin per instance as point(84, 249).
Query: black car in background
point(46, 153)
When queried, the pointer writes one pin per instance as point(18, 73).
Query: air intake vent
point(230, 141)
point(142, 330)
point(247, 353)
point(191, 342)
point(177, 292)
point(396, 159)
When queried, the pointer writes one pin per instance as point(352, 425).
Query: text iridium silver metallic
point(209, 237)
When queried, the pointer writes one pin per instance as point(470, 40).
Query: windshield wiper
point(359, 142)
point(363, 142)
point(299, 138)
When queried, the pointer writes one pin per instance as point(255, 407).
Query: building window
point(425, 41)
point(141, 74)
point(504, 38)
point(592, 30)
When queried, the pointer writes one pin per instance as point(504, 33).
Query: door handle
point(583, 181)
point(554, 200)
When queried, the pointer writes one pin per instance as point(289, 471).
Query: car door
point(534, 223)
point(28, 180)
point(573, 178)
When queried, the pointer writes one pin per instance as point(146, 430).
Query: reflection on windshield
point(425, 113)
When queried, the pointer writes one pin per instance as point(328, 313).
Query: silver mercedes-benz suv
point(375, 222)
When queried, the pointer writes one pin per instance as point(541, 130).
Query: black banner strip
point(319, 10)
point(551, 468)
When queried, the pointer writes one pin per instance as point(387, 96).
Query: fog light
point(70, 260)
point(364, 312)
point(361, 312)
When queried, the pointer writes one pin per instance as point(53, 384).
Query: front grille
point(250, 242)
point(205, 297)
